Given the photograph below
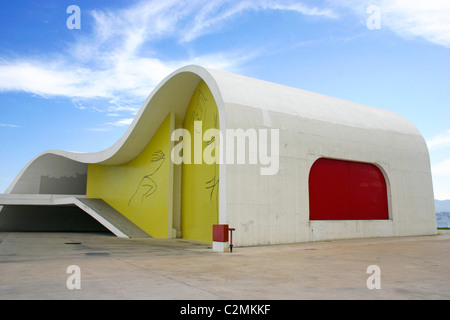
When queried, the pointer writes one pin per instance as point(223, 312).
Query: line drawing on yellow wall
point(147, 186)
point(213, 183)
point(199, 112)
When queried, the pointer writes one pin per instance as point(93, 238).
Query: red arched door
point(346, 190)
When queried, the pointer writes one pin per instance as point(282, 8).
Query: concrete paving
point(34, 266)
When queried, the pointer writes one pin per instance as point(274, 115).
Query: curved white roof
point(275, 97)
point(174, 92)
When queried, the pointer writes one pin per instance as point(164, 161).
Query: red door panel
point(346, 190)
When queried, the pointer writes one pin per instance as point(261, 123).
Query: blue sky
point(79, 89)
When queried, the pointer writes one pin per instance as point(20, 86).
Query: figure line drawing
point(147, 185)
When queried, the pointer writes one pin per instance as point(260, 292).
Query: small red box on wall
point(220, 232)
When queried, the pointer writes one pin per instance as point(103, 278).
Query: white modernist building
point(338, 170)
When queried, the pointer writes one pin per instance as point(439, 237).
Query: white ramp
point(106, 215)
point(112, 219)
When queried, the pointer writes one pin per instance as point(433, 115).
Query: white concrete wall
point(275, 209)
point(51, 174)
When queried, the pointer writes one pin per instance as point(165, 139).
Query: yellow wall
point(140, 189)
point(200, 182)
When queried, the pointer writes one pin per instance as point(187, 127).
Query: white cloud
point(441, 178)
point(442, 168)
point(298, 7)
point(216, 13)
point(9, 125)
point(54, 78)
point(440, 141)
point(120, 123)
point(426, 19)
point(429, 19)
point(118, 61)
point(108, 126)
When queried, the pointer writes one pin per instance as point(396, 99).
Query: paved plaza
point(35, 266)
